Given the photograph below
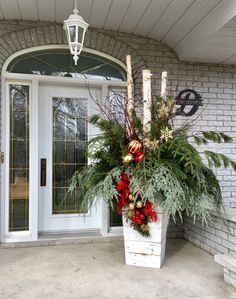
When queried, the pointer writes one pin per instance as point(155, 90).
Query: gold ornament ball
point(127, 159)
point(131, 206)
point(139, 204)
point(131, 197)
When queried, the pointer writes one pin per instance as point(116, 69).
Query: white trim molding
point(34, 81)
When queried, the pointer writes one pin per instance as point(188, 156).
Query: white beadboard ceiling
point(197, 30)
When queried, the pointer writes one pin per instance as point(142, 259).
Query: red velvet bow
point(149, 210)
point(123, 187)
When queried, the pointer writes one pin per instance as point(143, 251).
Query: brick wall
point(175, 229)
point(219, 236)
point(216, 83)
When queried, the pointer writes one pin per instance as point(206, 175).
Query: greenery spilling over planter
point(166, 170)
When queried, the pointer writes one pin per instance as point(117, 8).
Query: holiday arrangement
point(141, 161)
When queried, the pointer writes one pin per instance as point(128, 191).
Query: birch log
point(147, 101)
point(130, 101)
point(163, 85)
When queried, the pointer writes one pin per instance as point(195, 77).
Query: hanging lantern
point(75, 28)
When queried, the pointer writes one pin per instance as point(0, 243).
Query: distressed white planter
point(150, 251)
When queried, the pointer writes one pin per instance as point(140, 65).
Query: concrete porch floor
point(98, 270)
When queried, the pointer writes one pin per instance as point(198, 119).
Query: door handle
point(1, 157)
point(43, 172)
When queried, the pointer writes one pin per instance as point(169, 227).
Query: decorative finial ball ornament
point(134, 146)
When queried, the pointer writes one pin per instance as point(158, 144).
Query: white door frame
point(33, 81)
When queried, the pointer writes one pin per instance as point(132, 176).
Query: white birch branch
point(147, 102)
point(163, 85)
point(130, 84)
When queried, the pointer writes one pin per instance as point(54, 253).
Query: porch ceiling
point(197, 30)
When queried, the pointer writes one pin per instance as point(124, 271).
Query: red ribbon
point(123, 187)
point(149, 210)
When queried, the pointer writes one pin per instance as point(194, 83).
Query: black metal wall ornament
point(188, 97)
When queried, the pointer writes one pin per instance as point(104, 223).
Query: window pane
point(69, 145)
point(19, 158)
point(61, 63)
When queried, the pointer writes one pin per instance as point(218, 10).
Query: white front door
point(63, 135)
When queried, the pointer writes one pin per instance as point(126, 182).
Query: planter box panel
point(146, 251)
point(156, 235)
point(145, 260)
point(143, 247)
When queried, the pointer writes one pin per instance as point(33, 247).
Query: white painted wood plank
point(99, 13)
point(10, 9)
point(84, 7)
point(198, 10)
point(157, 231)
point(28, 10)
point(133, 15)
point(151, 16)
point(46, 10)
point(143, 247)
point(150, 261)
point(174, 11)
point(63, 9)
point(218, 17)
point(116, 14)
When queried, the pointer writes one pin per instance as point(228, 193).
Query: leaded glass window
point(59, 62)
point(19, 158)
point(69, 145)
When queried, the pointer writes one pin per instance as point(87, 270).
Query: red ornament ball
point(139, 157)
point(142, 217)
point(137, 213)
point(139, 221)
point(134, 146)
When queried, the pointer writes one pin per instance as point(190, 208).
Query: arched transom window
point(59, 62)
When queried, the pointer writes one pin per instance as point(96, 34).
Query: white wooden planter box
point(150, 251)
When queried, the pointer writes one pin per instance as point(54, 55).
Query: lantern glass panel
point(74, 47)
point(80, 35)
point(72, 33)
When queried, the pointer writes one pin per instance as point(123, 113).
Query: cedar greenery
point(172, 175)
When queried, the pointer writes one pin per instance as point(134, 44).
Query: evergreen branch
point(200, 140)
point(217, 160)
point(217, 137)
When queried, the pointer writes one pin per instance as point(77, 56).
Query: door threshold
point(55, 235)
point(64, 238)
